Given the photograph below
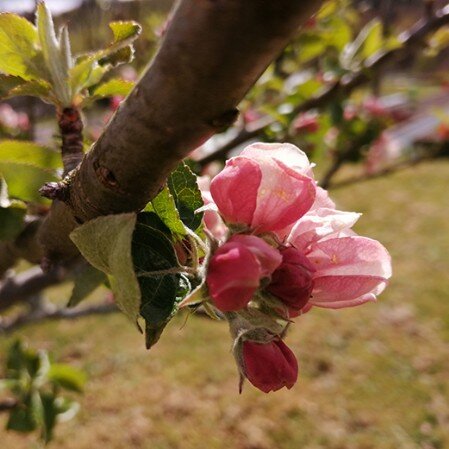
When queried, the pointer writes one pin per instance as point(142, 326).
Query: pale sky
point(56, 6)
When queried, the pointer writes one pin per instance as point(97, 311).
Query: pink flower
point(292, 282)
point(349, 269)
point(266, 188)
point(269, 366)
point(236, 269)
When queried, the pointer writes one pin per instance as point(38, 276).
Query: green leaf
point(152, 252)
point(87, 280)
point(49, 416)
point(374, 39)
point(40, 89)
point(120, 49)
point(26, 166)
point(115, 86)
point(165, 208)
point(85, 74)
point(22, 418)
point(29, 153)
point(106, 243)
point(67, 377)
point(19, 51)
point(24, 181)
point(187, 195)
point(125, 31)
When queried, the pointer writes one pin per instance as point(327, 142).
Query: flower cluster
point(284, 248)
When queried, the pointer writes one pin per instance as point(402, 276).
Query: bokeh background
point(374, 377)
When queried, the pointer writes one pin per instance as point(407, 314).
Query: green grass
point(374, 377)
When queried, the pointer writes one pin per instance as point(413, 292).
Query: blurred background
point(364, 90)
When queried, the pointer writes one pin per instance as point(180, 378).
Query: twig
point(8, 326)
point(7, 405)
point(343, 86)
point(71, 127)
point(28, 283)
point(384, 172)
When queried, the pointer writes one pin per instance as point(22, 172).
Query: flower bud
point(292, 282)
point(236, 269)
point(269, 366)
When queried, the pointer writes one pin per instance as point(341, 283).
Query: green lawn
point(374, 377)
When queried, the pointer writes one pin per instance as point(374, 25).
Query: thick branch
point(344, 86)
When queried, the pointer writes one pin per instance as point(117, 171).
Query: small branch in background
point(51, 313)
point(71, 127)
point(7, 405)
point(383, 172)
point(23, 286)
point(343, 86)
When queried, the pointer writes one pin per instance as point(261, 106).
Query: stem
point(71, 128)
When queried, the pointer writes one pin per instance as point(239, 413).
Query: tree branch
point(345, 85)
point(212, 53)
point(28, 283)
point(51, 313)
point(7, 405)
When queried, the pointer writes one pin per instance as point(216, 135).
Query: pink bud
point(269, 366)
point(307, 122)
point(236, 269)
point(267, 188)
point(292, 282)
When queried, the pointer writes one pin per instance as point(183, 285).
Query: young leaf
point(186, 194)
point(67, 377)
point(19, 52)
point(55, 57)
point(106, 243)
point(165, 208)
point(115, 86)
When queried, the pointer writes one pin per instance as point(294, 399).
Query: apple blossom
point(266, 188)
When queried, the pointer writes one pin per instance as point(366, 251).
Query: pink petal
point(318, 224)
point(348, 256)
point(233, 276)
point(288, 154)
point(322, 199)
point(268, 257)
point(343, 288)
point(234, 190)
point(369, 297)
point(283, 197)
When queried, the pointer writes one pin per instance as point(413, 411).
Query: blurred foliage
point(35, 384)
